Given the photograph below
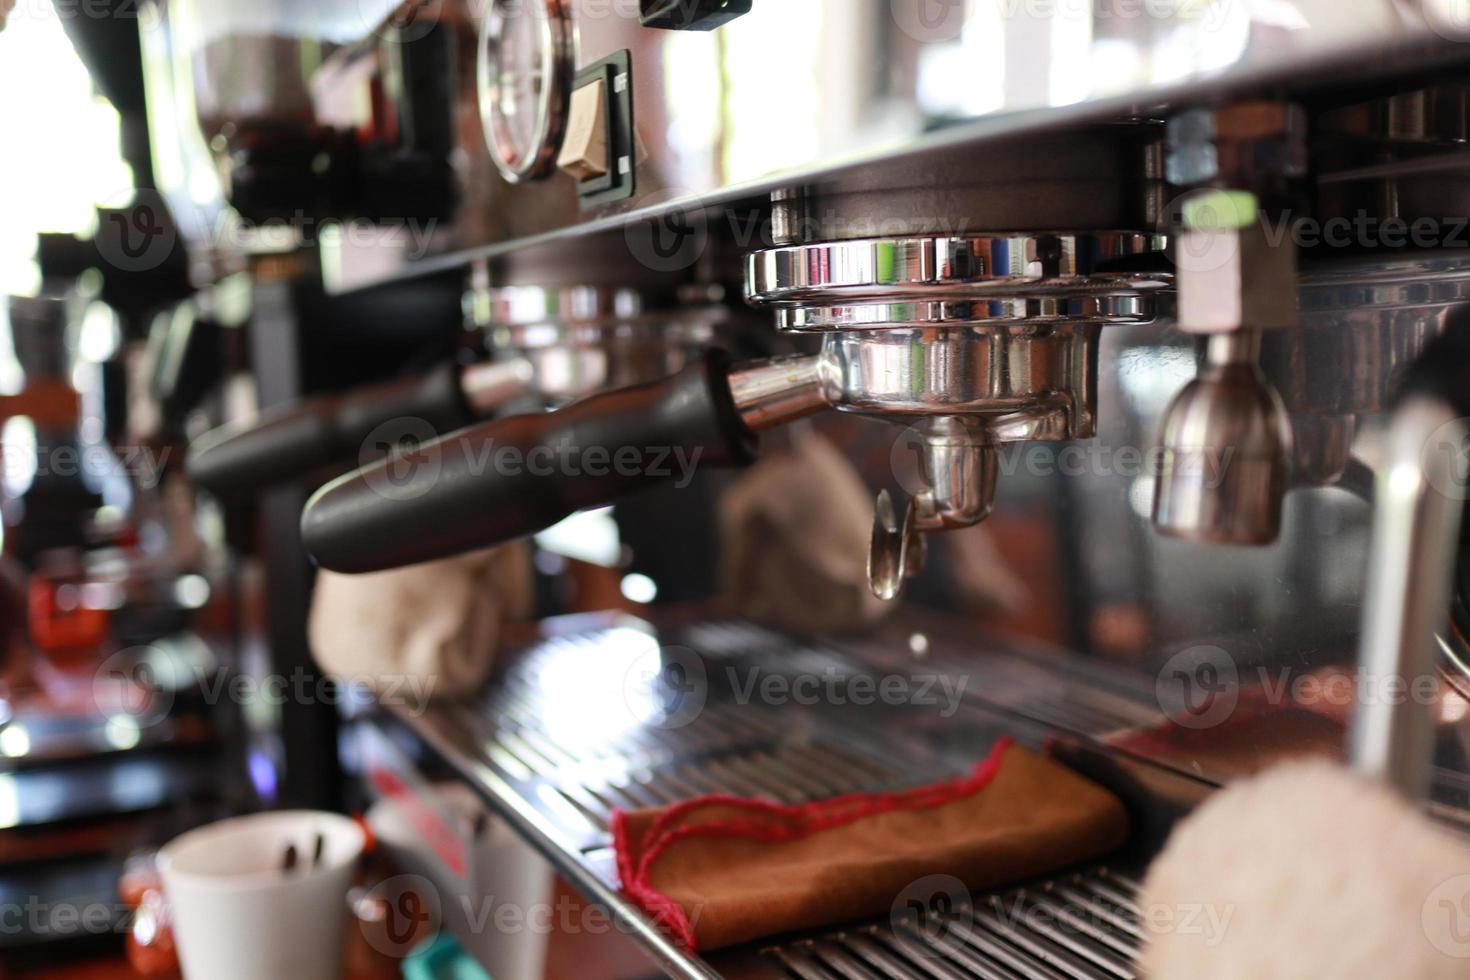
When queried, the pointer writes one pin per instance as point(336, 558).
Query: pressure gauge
point(527, 60)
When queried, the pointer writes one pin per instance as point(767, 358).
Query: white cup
point(238, 915)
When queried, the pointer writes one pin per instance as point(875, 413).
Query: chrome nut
point(1236, 278)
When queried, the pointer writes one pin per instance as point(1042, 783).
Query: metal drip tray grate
point(522, 745)
point(1082, 925)
point(556, 750)
point(580, 760)
point(799, 773)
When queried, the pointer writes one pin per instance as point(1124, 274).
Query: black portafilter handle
point(299, 439)
point(506, 479)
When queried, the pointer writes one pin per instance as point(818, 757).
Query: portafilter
point(973, 341)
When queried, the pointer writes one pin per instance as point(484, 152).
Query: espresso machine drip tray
point(608, 712)
point(1026, 932)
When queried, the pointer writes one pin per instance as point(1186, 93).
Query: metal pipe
point(1238, 347)
point(1416, 534)
point(961, 467)
point(772, 393)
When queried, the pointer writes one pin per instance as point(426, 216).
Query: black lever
point(506, 479)
point(301, 438)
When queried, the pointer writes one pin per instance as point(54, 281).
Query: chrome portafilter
point(577, 340)
point(971, 341)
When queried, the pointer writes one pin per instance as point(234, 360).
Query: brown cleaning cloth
point(720, 871)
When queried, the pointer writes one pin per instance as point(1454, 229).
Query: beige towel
point(795, 530)
point(423, 632)
point(1308, 871)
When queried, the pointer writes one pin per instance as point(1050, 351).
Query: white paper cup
point(238, 916)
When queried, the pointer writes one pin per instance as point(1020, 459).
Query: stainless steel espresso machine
point(1144, 323)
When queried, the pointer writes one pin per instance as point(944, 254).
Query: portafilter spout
point(959, 466)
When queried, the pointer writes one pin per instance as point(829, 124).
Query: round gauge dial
point(527, 60)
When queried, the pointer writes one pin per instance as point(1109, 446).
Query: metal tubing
point(1416, 533)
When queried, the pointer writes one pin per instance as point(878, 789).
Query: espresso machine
point(1156, 312)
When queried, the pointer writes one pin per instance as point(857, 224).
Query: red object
point(427, 823)
point(59, 623)
point(369, 839)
